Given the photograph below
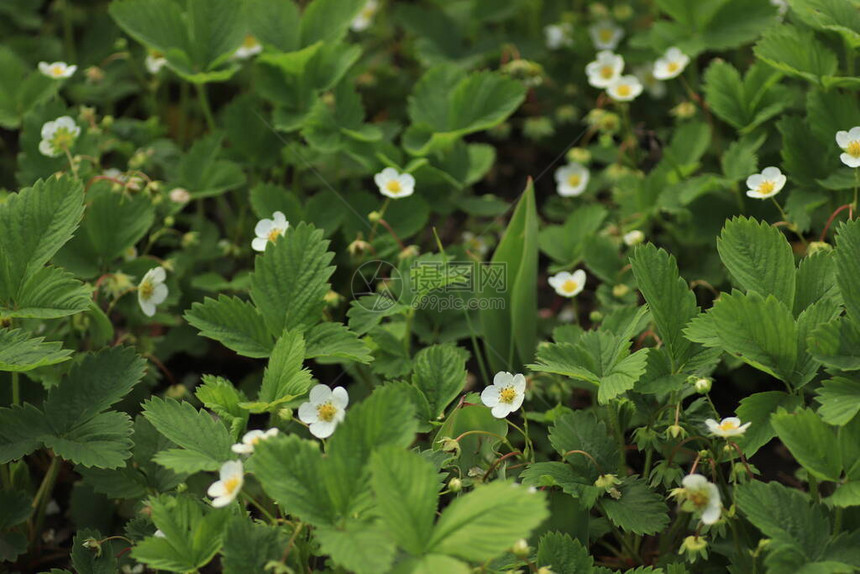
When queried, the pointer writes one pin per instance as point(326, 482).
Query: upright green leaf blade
point(759, 258)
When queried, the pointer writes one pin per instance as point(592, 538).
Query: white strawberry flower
point(58, 136)
point(671, 64)
point(781, 7)
point(606, 35)
point(57, 70)
point(505, 395)
point(180, 195)
point(634, 237)
point(226, 489)
point(568, 284)
point(655, 88)
point(850, 143)
point(250, 47)
point(571, 180)
point(605, 69)
point(364, 18)
point(154, 61)
point(152, 291)
point(325, 409)
point(729, 426)
point(269, 230)
point(393, 184)
point(251, 438)
point(701, 496)
point(625, 89)
point(558, 36)
point(765, 184)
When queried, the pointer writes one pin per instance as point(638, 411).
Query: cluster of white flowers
point(364, 18)
point(58, 136)
point(557, 36)
point(269, 230)
point(152, 291)
point(568, 284)
point(605, 72)
point(57, 70)
point(571, 180)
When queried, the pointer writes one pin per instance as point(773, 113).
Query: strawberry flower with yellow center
point(729, 426)
point(252, 439)
point(700, 496)
point(226, 489)
point(57, 70)
point(605, 35)
point(152, 291)
point(625, 89)
point(365, 16)
point(765, 184)
point(571, 180)
point(58, 136)
point(250, 47)
point(605, 69)
point(325, 409)
point(850, 143)
point(505, 395)
point(269, 230)
point(671, 64)
point(568, 284)
point(393, 184)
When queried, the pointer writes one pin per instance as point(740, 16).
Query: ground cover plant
point(443, 286)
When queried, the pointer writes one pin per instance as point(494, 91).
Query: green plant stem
point(813, 489)
point(43, 495)
point(837, 521)
point(205, 107)
point(856, 186)
point(183, 113)
point(260, 507)
point(407, 336)
point(16, 389)
point(68, 31)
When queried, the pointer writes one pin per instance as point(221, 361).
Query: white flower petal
point(502, 379)
point(850, 160)
point(519, 383)
point(263, 227)
point(501, 410)
point(854, 133)
point(339, 398)
point(322, 429)
point(319, 394)
point(771, 173)
point(159, 294)
point(842, 139)
point(308, 413)
point(490, 396)
point(259, 244)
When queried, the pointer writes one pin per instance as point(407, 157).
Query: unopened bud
point(702, 385)
point(620, 290)
point(94, 545)
point(450, 445)
point(455, 485)
point(676, 431)
point(521, 549)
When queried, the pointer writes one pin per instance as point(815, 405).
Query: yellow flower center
point(766, 187)
point(231, 484)
point(574, 180)
point(728, 425)
point(507, 395)
point(697, 498)
point(274, 234)
point(605, 35)
point(624, 90)
point(63, 139)
point(393, 186)
point(56, 71)
point(367, 12)
point(249, 42)
point(853, 148)
point(607, 72)
point(146, 290)
point(256, 440)
point(569, 286)
point(672, 67)
point(326, 412)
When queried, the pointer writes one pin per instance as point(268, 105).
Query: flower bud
point(595, 316)
point(620, 290)
point(606, 481)
point(676, 431)
point(818, 246)
point(333, 298)
point(190, 239)
point(694, 547)
point(358, 247)
point(545, 570)
point(702, 385)
point(93, 544)
point(180, 195)
point(285, 414)
point(455, 485)
point(408, 252)
point(579, 155)
point(374, 216)
point(521, 549)
point(450, 445)
point(684, 110)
